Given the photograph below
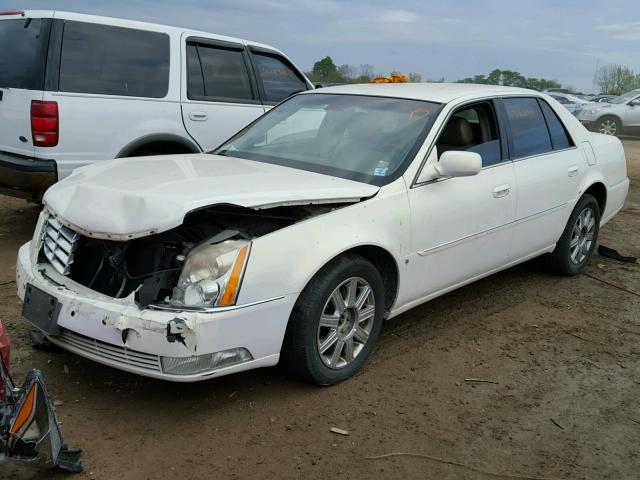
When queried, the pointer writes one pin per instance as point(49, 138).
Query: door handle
point(501, 191)
point(573, 171)
point(198, 116)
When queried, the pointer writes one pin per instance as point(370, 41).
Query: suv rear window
point(22, 44)
point(110, 60)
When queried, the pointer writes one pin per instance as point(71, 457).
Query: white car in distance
point(294, 240)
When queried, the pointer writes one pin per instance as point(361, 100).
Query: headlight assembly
point(212, 274)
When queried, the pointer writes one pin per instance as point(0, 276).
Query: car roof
point(125, 22)
point(433, 92)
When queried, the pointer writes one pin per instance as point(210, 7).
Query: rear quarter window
point(102, 59)
point(22, 47)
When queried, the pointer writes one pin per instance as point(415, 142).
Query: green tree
point(326, 71)
point(511, 78)
point(617, 79)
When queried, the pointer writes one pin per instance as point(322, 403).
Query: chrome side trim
point(444, 246)
point(185, 308)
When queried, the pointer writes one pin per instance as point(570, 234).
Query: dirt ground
point(563, 356)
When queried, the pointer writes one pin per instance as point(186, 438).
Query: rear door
point(548, 170)
point(219, 91)
point(23, 50)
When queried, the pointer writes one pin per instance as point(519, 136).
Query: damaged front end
point(29, 429)
point(197, 264)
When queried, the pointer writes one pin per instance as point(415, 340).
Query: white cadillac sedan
point(298, 237)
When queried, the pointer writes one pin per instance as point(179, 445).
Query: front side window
point(223, 72)
point(278, 79)
point(528, 127)
point(103, 59)
point(474, 129)
point(363, 138)
point(21, 45)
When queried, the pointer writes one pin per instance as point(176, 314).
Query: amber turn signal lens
point(26, 411)
point(231, 291)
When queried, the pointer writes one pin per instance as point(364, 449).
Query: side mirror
point(454, 163)
point(634, 103)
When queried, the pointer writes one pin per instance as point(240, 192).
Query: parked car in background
point(29, 430)
point(295, 239)
point(571, 102)
point(620, 115)
point(603, 98)
point(76, 88)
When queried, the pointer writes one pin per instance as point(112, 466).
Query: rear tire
point(578, 239)
point(335, 322)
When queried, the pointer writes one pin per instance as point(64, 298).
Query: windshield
point(626, 97)
point(21, 44)
point(363, 138)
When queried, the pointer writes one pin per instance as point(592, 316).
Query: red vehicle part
point(4, 350)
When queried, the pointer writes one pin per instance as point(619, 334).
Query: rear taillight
point(44, 123)
point(12, 12)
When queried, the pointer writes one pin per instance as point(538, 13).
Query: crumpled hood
point(133, 197)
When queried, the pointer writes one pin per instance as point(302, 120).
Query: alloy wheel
point(346, 322)
point(582, 236)
point(608, 127)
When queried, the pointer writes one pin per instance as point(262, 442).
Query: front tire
point(579, 238)
point(335, 322)
point(609, 126)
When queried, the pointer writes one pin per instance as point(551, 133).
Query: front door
point(461, 227)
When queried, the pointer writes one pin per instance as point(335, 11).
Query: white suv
point(76, 88)
point(620, 115)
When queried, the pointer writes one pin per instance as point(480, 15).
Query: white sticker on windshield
point(380, 172)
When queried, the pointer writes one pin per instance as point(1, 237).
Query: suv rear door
point(219, 91)
point(23, 51)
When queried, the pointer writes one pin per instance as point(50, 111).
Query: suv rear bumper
point(26, 177)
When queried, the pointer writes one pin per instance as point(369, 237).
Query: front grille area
point(58, 244)
point(113, 353)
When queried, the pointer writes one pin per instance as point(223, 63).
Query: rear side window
point(22, 44)
point(528, 127)
point(278, 79)
point(195, 82)
point(223, 71)
point(559, 136)
point(110, 60)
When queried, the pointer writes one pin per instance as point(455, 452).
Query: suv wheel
point(335, 322)
point(579, 238)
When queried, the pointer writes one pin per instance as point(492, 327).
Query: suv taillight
point(44, 123)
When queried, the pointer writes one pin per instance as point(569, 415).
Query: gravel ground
point(562, 356)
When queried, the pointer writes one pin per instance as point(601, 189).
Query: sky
point(563, 40)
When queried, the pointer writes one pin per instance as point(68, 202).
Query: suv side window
point(109, 60)
point(528, 128)
point(279, 79)
point(217, 74)
point(473, 128)
point(559, 137)
point(23, 42)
